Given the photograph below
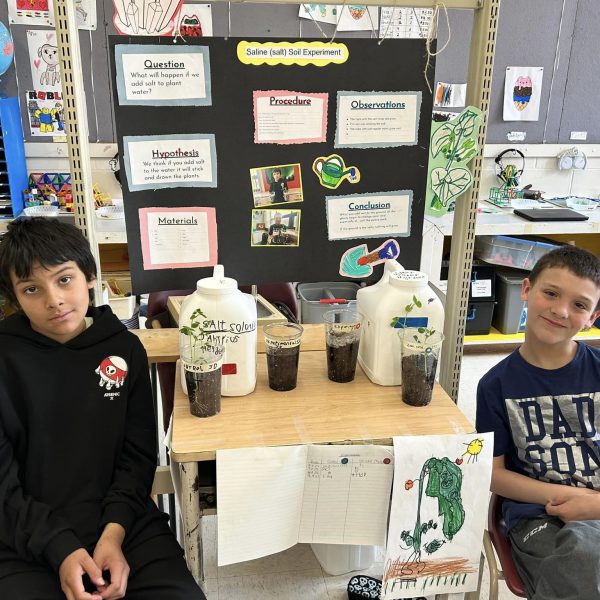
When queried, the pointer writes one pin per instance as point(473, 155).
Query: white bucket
point(337, 559)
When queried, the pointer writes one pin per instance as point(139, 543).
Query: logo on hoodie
point(112, 371)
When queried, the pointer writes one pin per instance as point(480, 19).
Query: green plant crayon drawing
point(453, 144)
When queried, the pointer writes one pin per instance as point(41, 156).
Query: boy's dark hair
point(580, 262)
point(49, 242)
point(276, 171)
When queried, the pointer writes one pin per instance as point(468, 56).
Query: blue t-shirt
point(544, 422)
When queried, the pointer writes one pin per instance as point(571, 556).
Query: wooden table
point(317, 411)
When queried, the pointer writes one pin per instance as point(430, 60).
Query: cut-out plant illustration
point(453, 145)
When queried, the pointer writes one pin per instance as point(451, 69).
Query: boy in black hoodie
point(77, 436)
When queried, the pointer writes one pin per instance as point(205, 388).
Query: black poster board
point(395, 65)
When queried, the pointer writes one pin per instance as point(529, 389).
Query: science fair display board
point(282, 159)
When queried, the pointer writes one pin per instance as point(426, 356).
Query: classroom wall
point(559, 35)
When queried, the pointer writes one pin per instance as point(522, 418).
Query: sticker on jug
point(277, 344)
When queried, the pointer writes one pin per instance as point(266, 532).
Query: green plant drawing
point(444, 482)
point(453, 144)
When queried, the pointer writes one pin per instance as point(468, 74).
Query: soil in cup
point(342, 351)
point(418, 377)
point(204, 392)
point(282, 365)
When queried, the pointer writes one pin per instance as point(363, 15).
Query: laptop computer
point(549, 214)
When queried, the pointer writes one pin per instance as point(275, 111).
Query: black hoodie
point(77, 437)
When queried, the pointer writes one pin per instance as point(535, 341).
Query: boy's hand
point(575, 507)
point(71, 572)
point(109, 557)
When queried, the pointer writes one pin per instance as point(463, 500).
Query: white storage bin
point(122, 306)
point(337, 559)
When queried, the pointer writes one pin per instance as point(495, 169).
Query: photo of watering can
point(331, 171)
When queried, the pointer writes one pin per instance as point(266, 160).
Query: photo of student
point(273, 228)
point(278, 184)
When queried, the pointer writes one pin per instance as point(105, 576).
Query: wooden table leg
point(191, 520)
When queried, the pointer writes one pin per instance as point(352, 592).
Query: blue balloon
point(6, 48)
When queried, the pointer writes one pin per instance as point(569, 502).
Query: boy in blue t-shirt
point(541, 403)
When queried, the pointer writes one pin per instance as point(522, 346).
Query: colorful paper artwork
point(359, 261)
point(44, 59)
point(143, 17)
point(453, 145)
point(46, 113)
point(324, 13)
point(195, 20)
point(438, 512)
point(450, 94)
point(30, 12)
point(522, 93)
point(358, 17)
point(331, 171)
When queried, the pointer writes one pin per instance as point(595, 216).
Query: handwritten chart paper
point(159, 161)
point(396, 22)
point(273, 498)
point(438, 513)
point(381, 214)
point(346, 495)
point(284, 117)
point(377, 119)
point(177, 238)
point(163, 75)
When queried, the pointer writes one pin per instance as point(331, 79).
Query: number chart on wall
point(283, 160)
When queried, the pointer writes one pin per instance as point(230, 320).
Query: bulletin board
point(242, 170)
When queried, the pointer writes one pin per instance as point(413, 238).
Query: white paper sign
point(438, 513)
point(385, 214)
point(377, 119)
point(158, 161)
point(287, 117)
point(175, 238)
point(481, 288)
point(159, 76)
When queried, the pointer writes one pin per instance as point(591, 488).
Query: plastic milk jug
point(385, 309)
point(231, 321)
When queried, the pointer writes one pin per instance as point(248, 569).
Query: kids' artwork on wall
point(146, 17)
point(44, 59)
point(41, 12)
point(45, 111)
point(438, 512)
point(522, 93)
point(323, 13)
point(358, 17)
point(277, 184)
point(195, 20)
point(453, 145)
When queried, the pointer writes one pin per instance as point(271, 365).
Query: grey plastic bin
point(510, 311)
point(310, 295)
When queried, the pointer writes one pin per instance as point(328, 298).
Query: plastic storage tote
point(337, 559)
point(311, 294)
point(511, 311)
point(479, 318)
point(510, 251)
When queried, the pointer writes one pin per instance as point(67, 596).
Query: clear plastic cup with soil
point(282, 344)
point(202, 367)
point(420, 353)
point(342, 337)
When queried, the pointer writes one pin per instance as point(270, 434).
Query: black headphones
point(507, 172)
